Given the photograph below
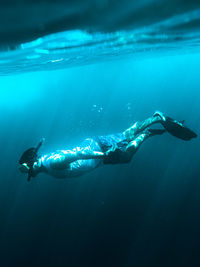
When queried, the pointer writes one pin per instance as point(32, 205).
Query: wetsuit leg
point(140, 126)
point(134, 145)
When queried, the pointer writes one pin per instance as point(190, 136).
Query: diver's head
point(27, 160)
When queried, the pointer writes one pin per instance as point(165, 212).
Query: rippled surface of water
point(78, 47)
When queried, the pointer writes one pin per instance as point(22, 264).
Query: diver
point(94, 152)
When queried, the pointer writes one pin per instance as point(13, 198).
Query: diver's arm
point(84, 154)
point(62, 160)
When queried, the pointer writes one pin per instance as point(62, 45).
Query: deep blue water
point(76, 84)
point(145, 213)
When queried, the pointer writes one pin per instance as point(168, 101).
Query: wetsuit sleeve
point(62, 160)
point(86, 154)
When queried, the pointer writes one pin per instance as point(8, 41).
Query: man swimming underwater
point(94, 152)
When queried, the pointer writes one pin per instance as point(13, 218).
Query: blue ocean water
point(76, 84)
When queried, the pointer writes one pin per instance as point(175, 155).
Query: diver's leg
point(134, 145)
point(140, 126)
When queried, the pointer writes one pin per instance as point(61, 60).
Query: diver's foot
point(160, 114)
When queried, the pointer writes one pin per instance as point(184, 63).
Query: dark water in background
point(142, 214)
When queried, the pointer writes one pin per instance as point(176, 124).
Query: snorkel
point(28, 158)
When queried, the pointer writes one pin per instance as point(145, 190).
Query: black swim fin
point(178, 129)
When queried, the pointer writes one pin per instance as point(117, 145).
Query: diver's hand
point(111, 152)
point(112, 156)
